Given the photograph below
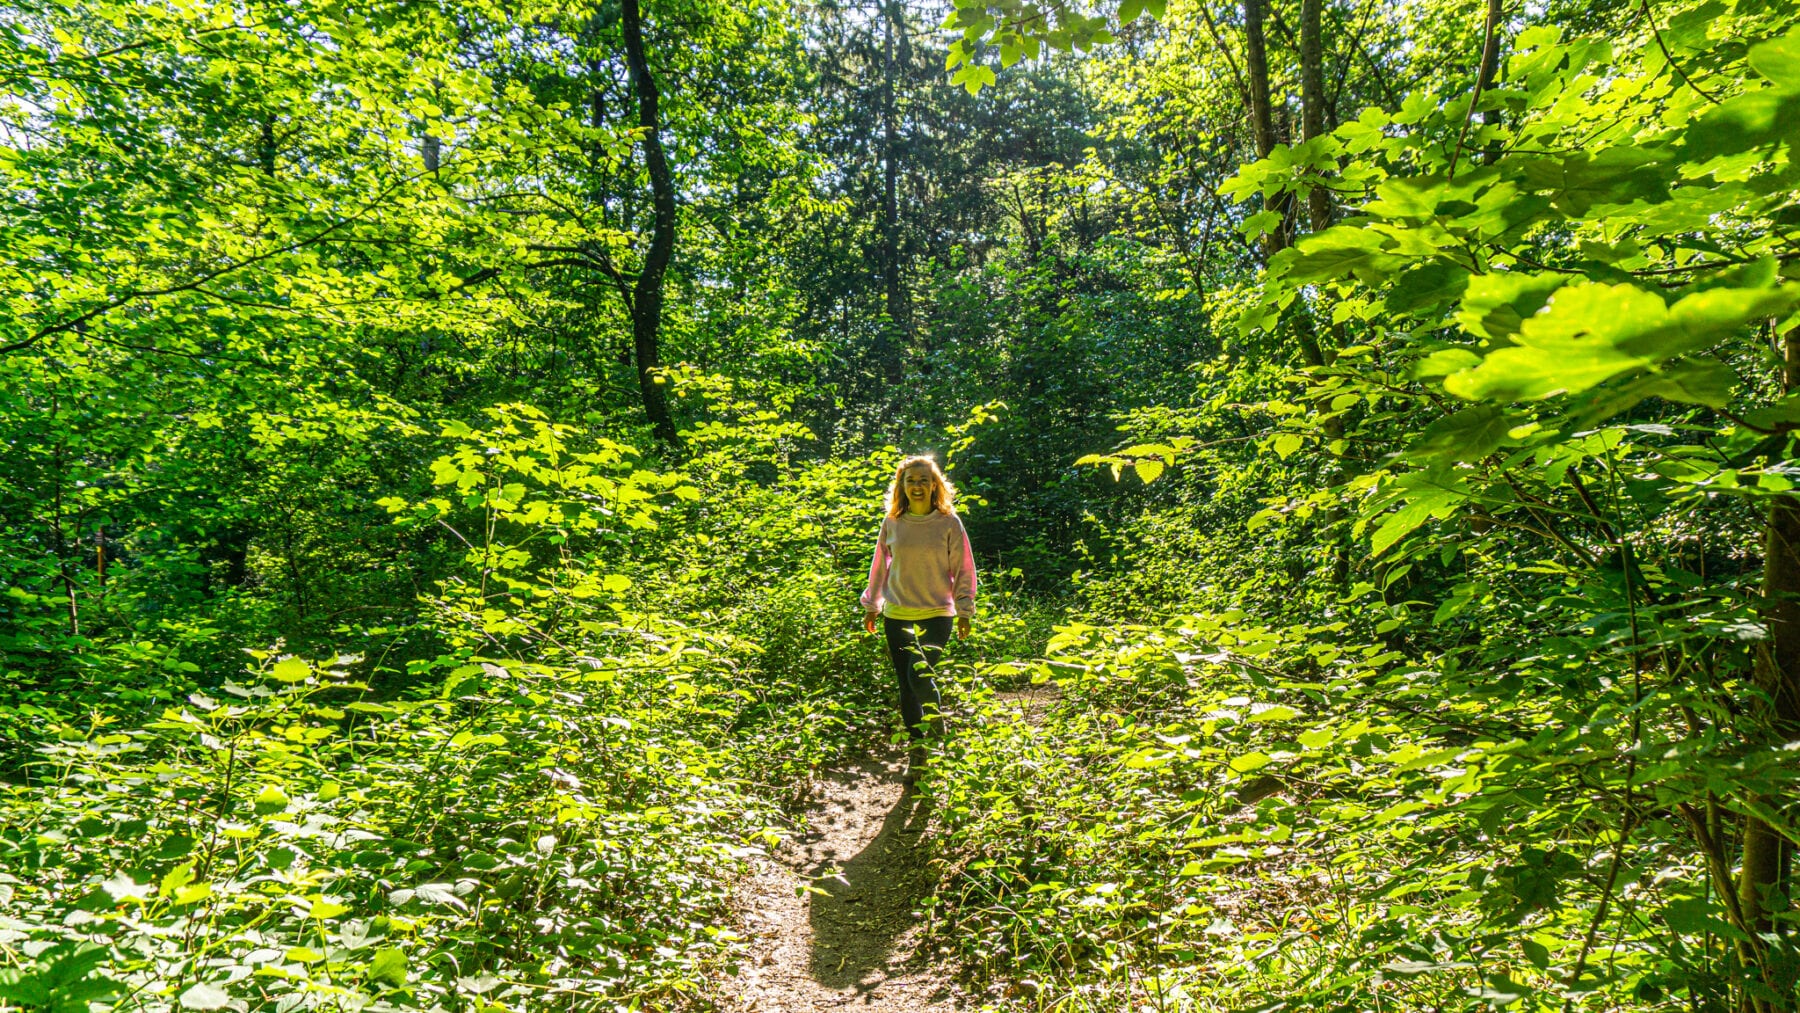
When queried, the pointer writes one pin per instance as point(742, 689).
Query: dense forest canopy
point(444, 441)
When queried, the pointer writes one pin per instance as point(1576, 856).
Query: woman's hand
point(869, 620)
point(962, 627)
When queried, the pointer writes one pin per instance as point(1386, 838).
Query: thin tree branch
point(188, 286)
point(1650, 20)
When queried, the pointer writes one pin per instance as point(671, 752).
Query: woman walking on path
point(922, 578)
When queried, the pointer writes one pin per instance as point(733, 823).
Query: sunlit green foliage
point(1396, 430)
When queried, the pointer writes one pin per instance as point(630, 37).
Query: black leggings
point(914, 646)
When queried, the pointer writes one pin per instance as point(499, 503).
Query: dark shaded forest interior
point(444, 443)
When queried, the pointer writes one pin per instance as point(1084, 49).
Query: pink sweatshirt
point(923, 568)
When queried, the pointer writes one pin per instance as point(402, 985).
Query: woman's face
point(917, 486)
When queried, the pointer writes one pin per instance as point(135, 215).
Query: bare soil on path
point(853, 940)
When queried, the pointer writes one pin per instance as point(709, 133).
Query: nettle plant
point(539, 508)
point(1568, 299)
point(1308, 817)
point(526, 833)
point(551, 813)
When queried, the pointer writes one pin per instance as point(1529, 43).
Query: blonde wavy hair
point(943, 495)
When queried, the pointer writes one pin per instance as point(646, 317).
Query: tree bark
point(265, 144)
point(893, 296)
point(1490, 69)
point(1774, 716)
point(1256, 72)
point(1262, 122)
point(60, 546)
point(647, 293)
point(1262, 115)
point(1313, 102)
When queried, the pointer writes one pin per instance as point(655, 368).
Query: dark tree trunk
point(647, 293)
point(1262, 121)
point(1256, 70)
point(1774, 715)
point(1313, 112)
point(894, 297)
point(265, 145)
point(1262, 113)
point(1490, 69)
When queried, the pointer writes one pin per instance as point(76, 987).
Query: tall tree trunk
point(1262, 122)
point(1319, 340)
point(1759, 889)
point(1313, 102)
point(60, 546)
point(1262, 114)
point(647, 293)
point(1490, 69)
point(1318, 200)
point(265, 144)
point(893, 295)
point(1256, 72)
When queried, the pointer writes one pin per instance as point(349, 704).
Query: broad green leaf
point(1444, 362)
point(1496, 305)
point(1408, 197)
point(271, 799)
point(1426, 286)
point(204, 996)
point(1745, 123)
point(1249, 761)
point(1468, 435)
point(1590, 333)
point(1694, 916)
point(176, 878)
point(1421, 506)
point(1575, 183)
point(1779, 60)
point(1689, 381)
point(388, 967)
point(1337, 252)
point(1397, 810)
point(1316, 738)
point(1259, 224)
point(1500, 992)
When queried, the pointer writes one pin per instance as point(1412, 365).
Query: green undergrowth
point(638, 670)
point(526, 833)
point(1213, 814)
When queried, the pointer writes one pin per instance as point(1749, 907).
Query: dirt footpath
point(852, 939)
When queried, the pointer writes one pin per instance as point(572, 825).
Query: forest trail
point(868, 850)
point(852, 941)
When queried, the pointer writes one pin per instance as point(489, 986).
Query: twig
point(1650, 20)
point(1487, 43)
point(132, 296)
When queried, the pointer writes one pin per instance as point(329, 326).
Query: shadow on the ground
point(862, 911)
